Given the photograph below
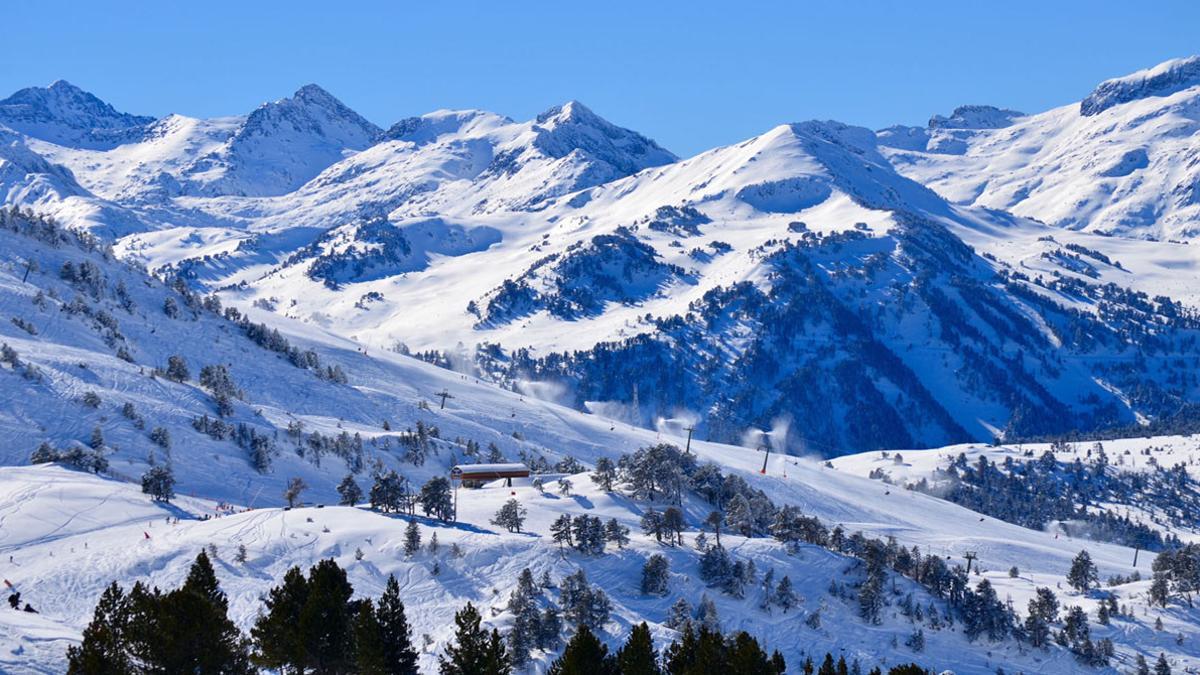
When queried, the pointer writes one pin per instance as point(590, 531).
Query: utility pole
point(1136, 551)
point(970, 556)
point(445, 395)
point(28, 267)
point(688, 450)
point(766, 445)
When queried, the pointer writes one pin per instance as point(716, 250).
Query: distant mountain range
point(991, 274)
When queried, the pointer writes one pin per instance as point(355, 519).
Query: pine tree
point(159, 483)
point(326, 620)
point(655, 575)
point(616, 533)
point(177, 369)
point(399, 656)
point(583, 605)
point(767, 595)
point(436, 500)
point(276, 632)
point(637, 656)
point(192, 632)
point(1161, 667)
point(412, 538)
point(185, 630)
point(1083, 574)
point(652, 524)
point(104, 649)
point(473, 651)
point(526, 619)
point(585, 655)
point(680, 614)
point(673, 525)
point(1160, 590)
point(706, 614)
point(368, 641)
point(349, 491)
point(549, 629)
point(605, 474)
point(785, 595)
point(511, 516)
point(560, 531)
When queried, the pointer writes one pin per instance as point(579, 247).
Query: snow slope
point(70, 533)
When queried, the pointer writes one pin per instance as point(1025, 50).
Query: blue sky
point(692, 75)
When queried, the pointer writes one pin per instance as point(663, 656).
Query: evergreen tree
point(159, 483)
point(1160, 590)
point(673, 525)
point(185, 630)
point(105, 649)
point(1161, 667)
point(549, 629)
point(655, 575)
point(326, 620)
point(436, 500)
point(276, 633)
point(349, 491)
point(605, 474)
point(1083, 574)
point(189, 629)
point(511, 516)
point(177, 368)
point(399, 656)
point(412, 538)
point(473, 651)
point(585, 655)
point(583, 605)
point(526, 619)
point(368, 641)
point(616, 533)
point(560, 531)
point(680, 614)
point(652, 524)
point(637, 656)
point(706, 614)
point(785, 595)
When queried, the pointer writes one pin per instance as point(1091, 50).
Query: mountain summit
point(67, 115)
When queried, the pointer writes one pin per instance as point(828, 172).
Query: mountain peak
point(571, 112)
point(1164, 79)
point(63, 113)
point(311, 111)
point(572, 126)
point(314, 94)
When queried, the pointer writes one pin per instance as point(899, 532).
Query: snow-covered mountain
point(941, 284)
point(1123, 161)
point(67, 115)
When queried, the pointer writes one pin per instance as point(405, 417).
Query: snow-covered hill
point(90, 373)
